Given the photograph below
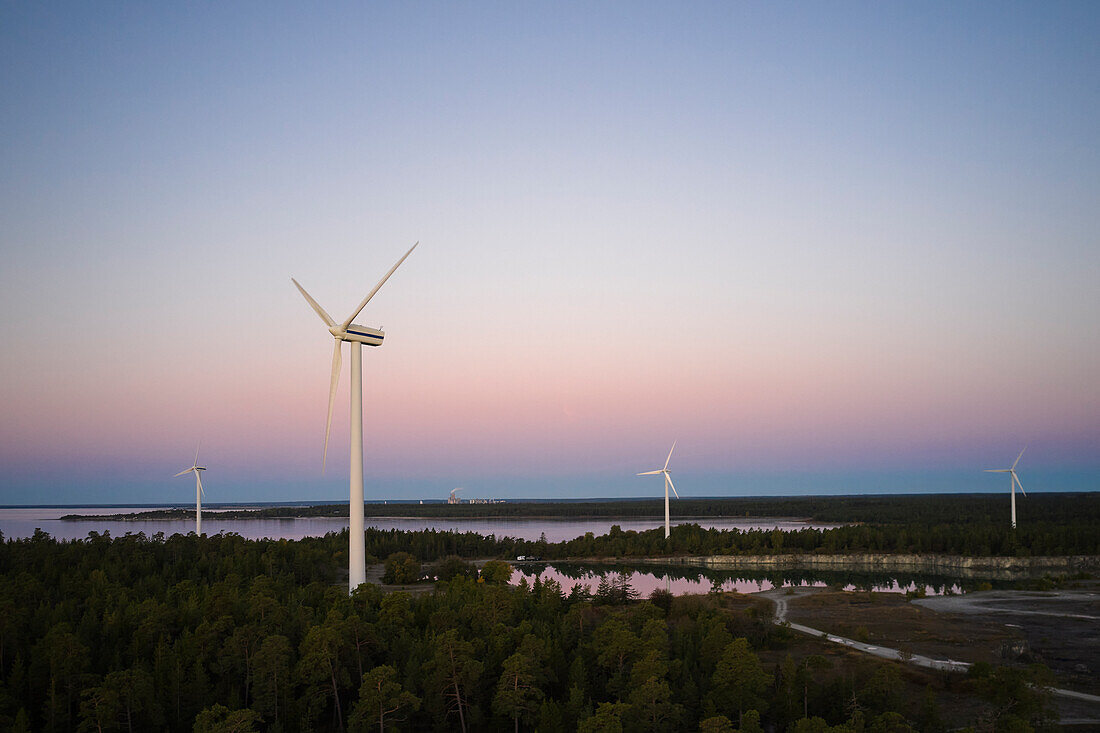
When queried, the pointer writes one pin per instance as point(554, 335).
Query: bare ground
point(1058, 629)
point(1061, 628)
point(891, 620)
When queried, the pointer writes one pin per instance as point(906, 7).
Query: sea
point(18, 522)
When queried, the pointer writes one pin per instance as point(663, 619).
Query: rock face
point(1007, 568)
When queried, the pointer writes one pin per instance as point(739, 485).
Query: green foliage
point(614, 589)
point(496, 571)
point(401, 568)
point(750, 722)
point(608, 719)
point(884, 690)
point(271, 687)
point(22, 722)
point(220, 719)
point(381, 696)
point(223, 633)
point(1017, 696)
point(454, 671)
point(739, 682)
point(518, 696)
point(452, 567)
point(716, 724)
point(661, 598)
point(890, 722)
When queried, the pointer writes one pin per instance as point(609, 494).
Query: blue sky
point(856, 241)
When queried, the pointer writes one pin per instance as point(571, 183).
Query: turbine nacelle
point(668, 484)
point(362, 334)
point(199, 491)
point(1014, 482)
point(350, 332)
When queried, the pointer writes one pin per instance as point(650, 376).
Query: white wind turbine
point(355, 335)
point(1015, 482)
point(199, 493)
point(668, 482)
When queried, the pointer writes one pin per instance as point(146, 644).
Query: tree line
point(877, 509)
point(974, 539)
point(220, 633)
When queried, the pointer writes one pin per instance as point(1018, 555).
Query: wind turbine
point(1015, 481)
point(355, 335)
point(668, 482)
point(199, 493)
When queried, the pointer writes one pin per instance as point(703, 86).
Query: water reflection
point(17, 522)
point(681, 580)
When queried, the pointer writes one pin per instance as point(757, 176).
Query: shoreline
point(988, 567)
point(251, 515)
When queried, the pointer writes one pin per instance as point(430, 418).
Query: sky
point(828, 248)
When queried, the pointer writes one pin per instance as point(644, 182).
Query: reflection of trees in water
point(857, 580)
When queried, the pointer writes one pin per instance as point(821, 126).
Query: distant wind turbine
point(356, 335)
point(1015, 481)
point(668, 482)
point(199, 493)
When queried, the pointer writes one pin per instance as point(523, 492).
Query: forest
point(878, 509)
point(975, 539)
point(220, 633)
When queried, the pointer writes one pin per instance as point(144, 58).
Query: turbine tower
point(199, 493)
point(1015, 481)
point(355, 335)
point(668, 482)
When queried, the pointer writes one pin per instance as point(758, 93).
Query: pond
point(681, 580)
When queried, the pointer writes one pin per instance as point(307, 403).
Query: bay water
point(17, 522)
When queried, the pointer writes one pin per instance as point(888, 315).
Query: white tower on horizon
point(199, 493)
point(355, 335)
point(668, 482)
point(1014, 482)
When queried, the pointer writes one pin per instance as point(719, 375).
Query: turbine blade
point(1019, 457)
point(996, 470)
point(672, 485)
point(649, 473)
point(189, 470)
point(381, 282)
point(331, 399)
point(670, 453)
point(316, 306)
point(196, 454)
point(198, 480)
point(1017, 480)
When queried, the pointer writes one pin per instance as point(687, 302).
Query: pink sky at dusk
point(862, 246)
